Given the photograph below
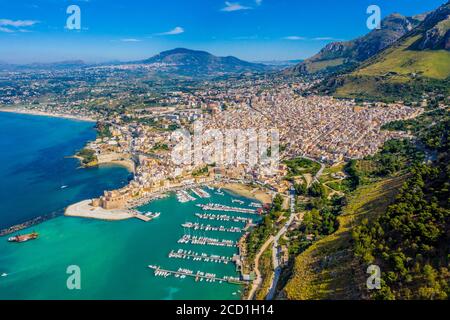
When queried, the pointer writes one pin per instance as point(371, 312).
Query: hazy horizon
point(252, 30)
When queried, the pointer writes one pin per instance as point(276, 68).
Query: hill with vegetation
point(417, 64)
point(194, 63)
point(397, 217)
point(339, 55)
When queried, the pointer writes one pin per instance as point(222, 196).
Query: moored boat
point(23, 238)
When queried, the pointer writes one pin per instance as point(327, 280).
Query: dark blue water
point(34, 165)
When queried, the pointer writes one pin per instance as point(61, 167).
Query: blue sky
point(35, 31)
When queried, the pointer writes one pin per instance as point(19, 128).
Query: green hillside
point(328, 269)
point(338, 56)
point(418, 63)
point(402, 62)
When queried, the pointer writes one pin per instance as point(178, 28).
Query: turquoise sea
point(112, 256)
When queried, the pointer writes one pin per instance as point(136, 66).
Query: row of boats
point(200, 193)
point(221, 207)
point(222, 217)
point(202, 227)
point(183, 196)
point(188, 239)
point(199, 275)
point(185, 254)
point(153, 215)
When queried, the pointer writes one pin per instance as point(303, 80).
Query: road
point(319, 173)
point(258, 280)
point(275, 258)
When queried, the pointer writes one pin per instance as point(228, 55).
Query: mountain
point(188, 62)
point(341, 54)
point(417, 63)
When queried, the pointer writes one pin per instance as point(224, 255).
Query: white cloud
point(130, 40)
point(17, 23)
point(294, 38)
point(174, 31)
point(7, 30)
point(234, 6)
point(258, 2)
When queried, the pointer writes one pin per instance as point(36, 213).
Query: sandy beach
point(247, 191)
point(45, 114)
point(129, 164)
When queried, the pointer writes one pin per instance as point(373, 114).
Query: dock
point(142, 217)
point(202, 227)
point(184, 254)
point(221, 207)
point(188, 239)
point(198, 276)
point(222, 217)
point(200, 193)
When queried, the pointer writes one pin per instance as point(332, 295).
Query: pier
point(200, 193)
point(220, 207)
point(187, 239)
point(142, 217)
point(222, 217)
point(199, 275)
point(183, 196)
point(202, 227)
point(184, 254)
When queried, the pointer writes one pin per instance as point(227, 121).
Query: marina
point(222, 217)
point(183, 196)
point(188, 239)
point(199, 275)
point(199, 226)
point(188, 254)
point(200, 193)
point(221, 207)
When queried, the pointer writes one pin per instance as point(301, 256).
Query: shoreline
point(83, 209)
point(46, 114)
point(127, 164)
point(246, 191)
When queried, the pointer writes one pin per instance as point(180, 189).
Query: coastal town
point(139, 136)
point(321, 128)
point(253, 150)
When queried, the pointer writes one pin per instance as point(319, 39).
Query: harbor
point(194, 234)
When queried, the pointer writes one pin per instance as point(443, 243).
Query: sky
point(125, 30)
